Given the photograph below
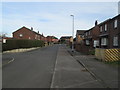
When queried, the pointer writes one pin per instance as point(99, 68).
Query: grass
point(113, 63)
point(116, 63)
point(92, 52)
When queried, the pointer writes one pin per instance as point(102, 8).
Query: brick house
point(66, 39)
point(79, 36)
point(110, 33)
point(104, 35)
point(79, 40)
point(52, 39)
point(91, 36)
point(49, 39)
point(115, 32)
point(4, 39)
point(26, 33)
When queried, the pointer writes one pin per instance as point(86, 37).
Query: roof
point(80, 32)
point(54, 37)
point(116, 16)
point(109, 19)
point(65, 37)
point(27, 29)
point(105, 21)
point(7, 37)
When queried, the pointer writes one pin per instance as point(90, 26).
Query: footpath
point(106, 74)
point(69, 73)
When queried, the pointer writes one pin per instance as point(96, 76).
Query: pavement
point(106, 74)
point(68, 73)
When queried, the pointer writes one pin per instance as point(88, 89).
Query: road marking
point(8, 62)
point(53, 77)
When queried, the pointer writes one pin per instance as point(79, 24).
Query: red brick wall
point(27, 34)
point(114, 32)
point(49, 39)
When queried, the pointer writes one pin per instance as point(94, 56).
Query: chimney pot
point(31, 28)
point(96, 22)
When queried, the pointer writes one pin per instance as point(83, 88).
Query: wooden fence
point(107, 54)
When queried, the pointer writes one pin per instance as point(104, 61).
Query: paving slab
point(69, 73)
point(108, 74)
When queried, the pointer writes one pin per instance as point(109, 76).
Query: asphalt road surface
point(32, 69)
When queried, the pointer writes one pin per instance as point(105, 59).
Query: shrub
point(17, 43)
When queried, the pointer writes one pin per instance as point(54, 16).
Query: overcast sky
point(53, 18)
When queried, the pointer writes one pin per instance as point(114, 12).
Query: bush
point(16, 44)
point(92, 52)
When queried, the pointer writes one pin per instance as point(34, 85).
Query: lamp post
point(72, 33)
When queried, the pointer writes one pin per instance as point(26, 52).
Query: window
point(21, 35)
point(86, 33)
point(104, 41)
point(35, 36)
point(101, 28)
point(96, 43)
point(38, 37)
point(105, 27)
point(115, 24)
point(89, 32)
point(87, 42)
point(4, 40)
point(115, 41)
point(29, 37)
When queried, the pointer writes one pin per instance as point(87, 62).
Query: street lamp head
point(72, 15)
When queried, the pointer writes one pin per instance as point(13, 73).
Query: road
point(32, 69)
point(54, 67)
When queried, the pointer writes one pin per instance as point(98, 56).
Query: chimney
point(96, 23)
point(31, 28)
point(38, 32)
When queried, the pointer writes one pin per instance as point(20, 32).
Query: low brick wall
point(107, 54)
point(83, 48)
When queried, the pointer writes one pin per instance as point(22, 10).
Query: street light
point(72, 33)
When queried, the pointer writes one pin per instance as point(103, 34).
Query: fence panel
point(107, 54)
point(112, 54)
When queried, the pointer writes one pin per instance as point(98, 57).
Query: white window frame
point(89, 32)
point(21, 35)
point(35, 36)
point(115, 23)
point(104, 41)
point(29, 37)
point(4, 40)
point(105, 27)
point(115, 41)
point(96, 43)
point(86, 33)
point(101, 28)
point(87, 42)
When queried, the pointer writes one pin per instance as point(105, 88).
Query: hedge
point(16, 44)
